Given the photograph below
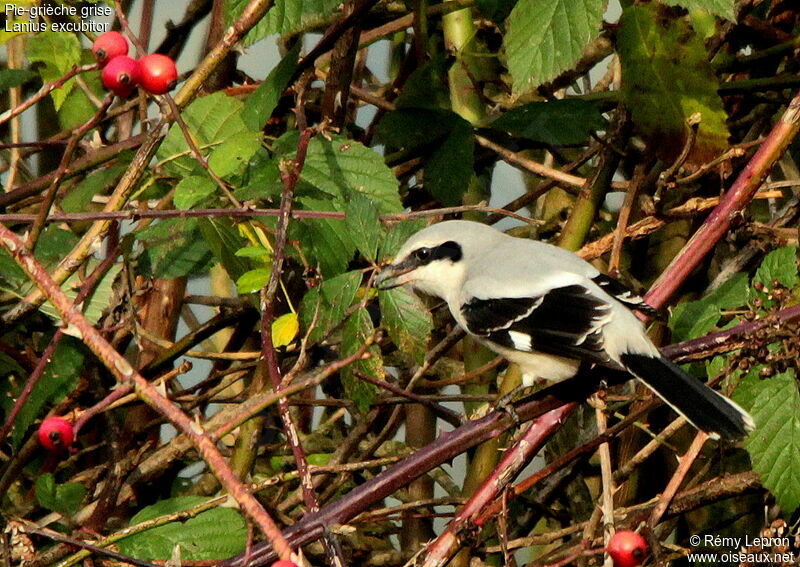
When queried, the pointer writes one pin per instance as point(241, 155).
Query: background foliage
point(285, 190)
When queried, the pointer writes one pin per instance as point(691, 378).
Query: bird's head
point(434, 259)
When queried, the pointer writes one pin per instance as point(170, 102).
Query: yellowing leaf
point(284, 329)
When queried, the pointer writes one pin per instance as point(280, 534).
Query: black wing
point(566, 321)
point(624, 295)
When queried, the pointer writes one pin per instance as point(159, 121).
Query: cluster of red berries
point(155, 73)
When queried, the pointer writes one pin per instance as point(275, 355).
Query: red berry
point(121, 75)
point(627, 549)
point(108, 46)
point(284, 563)
point(56, 433)
point(158, 73)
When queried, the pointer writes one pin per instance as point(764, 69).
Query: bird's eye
point(422, 254)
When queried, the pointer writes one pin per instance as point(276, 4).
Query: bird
point(549, 311)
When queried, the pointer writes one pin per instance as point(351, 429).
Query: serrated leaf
point(10, 78)
point(397, 236)
point(77, 108)
point(232, 155)
point(58, 52)
point(224, 241)
point(732, 293)
point(284, 329)
point(212, 535)
point(286, 17)
point(556, 122)
point(330, 301)
point(450, 167)
point(211, 120)
point(781, 265)
point(174, 248)
point(262, 178)
point(774, 446)
point(364, 225)
point(722, 8)
point(259, 105)
point(546, 37)
point(191, 190)
point(667, 79)
point(97, 302)
point(60, 377)
point(252, 280)
point(356, 331)
point(342, 167)
point(64, 498)
point(79, 197)
point(692, 319)
point(328, 242)
point(407, 321)
point(254, 252)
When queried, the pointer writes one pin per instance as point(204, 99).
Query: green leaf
point(53, 244)
point(97, 302)
point(397, 236)
point(328, 242)
point(79, 197)
point(77, 108)
point(667, 79)
point(174, 248)
point(342, 167)
point(259, 105)
point(191, 190)
point(233, 155)
point(58, 52)
point(774, 446)
point(427, 87)
point(450, 167)
point(721, 8)
point(65, 498)
point(253, 280)
point(262, 178)
point(409, 128)
point(10, 78)
point(781, 265)
point(364, 225)
point(407, 321)
point(214, 534)
point(224, 240)
point(692, 319)
point(286, 17)
point(331, 300)
point(60, 377)
point(557, 122)
point(212, 120)
point(357, 330)
point(546, 37)
point(731, 294)
point(255, 252)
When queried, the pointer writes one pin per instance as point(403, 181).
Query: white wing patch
point(521, 341)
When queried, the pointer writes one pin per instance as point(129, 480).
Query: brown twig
point(120, 367)
point(46, 89)
point(439, 552)
point(686, 462)
point(738, 196)
point(52, 191)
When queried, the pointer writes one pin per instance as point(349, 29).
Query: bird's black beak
point(393, 275)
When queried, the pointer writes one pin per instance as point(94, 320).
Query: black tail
point(706, 409)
